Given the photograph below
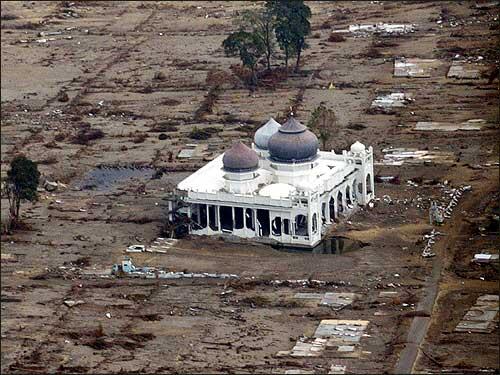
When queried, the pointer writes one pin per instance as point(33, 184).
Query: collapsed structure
point(282, 190)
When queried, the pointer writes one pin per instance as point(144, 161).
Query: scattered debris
point(474, 124)
point(418, 68)
point(127, 268)
point(136, 249)
point(480, 318)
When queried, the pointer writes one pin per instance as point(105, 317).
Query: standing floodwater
point(334, 245)
point(104, 178)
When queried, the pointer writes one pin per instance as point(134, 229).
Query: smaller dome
point(357, 147)
point(262, 135)
point(240, 158)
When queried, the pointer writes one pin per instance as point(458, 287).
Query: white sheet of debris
point(379, 28)
point(392, 100)
point(401, 155)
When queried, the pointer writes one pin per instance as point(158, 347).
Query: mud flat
point(81, 90)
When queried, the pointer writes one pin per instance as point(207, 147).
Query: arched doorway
point(333, 214)
point(354, 195)
point(369, 187)
point(340, 203)
point(348, 196)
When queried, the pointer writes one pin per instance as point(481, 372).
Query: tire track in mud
point(32, 356)
point(113, 61)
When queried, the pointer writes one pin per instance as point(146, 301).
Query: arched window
point(276, 226)
point(315, 223)
point(301, 225)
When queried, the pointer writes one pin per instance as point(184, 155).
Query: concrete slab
point(338, 301)
point(481, 317)
point(476, 124)
point(463, 70)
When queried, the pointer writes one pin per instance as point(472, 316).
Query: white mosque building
point(282, 190)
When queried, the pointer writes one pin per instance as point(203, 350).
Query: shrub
point(84, 136)
point(202, 134)
point(140, 138)
point(334, 38)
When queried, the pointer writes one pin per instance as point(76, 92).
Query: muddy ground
point(102, 73)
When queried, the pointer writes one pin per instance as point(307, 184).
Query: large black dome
point(293, 143)
point(240, 158)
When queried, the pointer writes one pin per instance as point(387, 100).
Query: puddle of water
point(334, 245)
point(106, 177)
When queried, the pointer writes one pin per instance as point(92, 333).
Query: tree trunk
point(286, 58)
point(18, 206)
point(298, 60)
point(268, 46)
point(254, 77)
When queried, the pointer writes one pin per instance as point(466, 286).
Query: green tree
point(292, 26)
point(248, 46)
point(323, 121)
point(21, 183)
point(260, 22)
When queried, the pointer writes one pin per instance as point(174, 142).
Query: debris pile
point(343, 335)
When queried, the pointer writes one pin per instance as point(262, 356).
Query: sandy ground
point(107, 69)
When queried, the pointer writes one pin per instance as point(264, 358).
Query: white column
point(217, 218)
